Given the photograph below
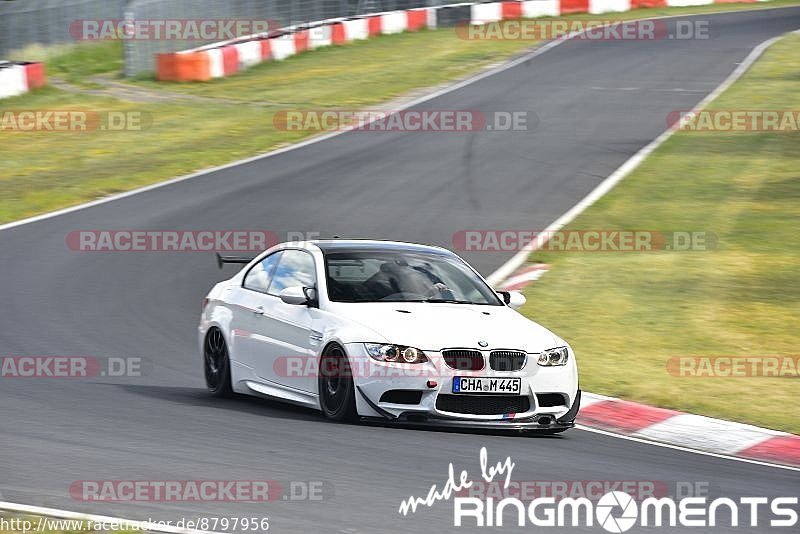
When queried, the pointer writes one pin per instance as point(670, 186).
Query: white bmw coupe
point(385, 331)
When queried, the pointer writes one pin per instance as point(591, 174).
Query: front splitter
point(434, 422)
point(417, 419)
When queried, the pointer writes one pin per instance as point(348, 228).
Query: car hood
point(436, 326)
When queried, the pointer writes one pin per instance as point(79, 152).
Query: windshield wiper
point(449, 301)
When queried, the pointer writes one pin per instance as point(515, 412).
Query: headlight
point(395, 353)
point(552, 357)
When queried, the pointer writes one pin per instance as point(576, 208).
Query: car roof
point(351, 245)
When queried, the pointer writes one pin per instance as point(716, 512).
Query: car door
point(288, 355)
point(248, 303)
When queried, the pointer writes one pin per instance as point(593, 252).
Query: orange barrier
point(34, 72)
point(574, 6)
point(183, 67)
point(417, 19)
point(338, 34)
point(512, 10)
point(375, 25)
point(301, 41)
point(266, 50)
point(230, 60)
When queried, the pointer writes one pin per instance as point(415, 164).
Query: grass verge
point(626, 313)
point(42, 171)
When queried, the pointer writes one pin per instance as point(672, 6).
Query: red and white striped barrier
point(19, 78)
point(687, 430)
point(541, 8)
point(222, 59)
point(225, 58)
point(355, 29)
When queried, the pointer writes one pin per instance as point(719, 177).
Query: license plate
point(473, 385)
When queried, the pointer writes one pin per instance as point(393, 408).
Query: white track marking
point(143, 526)
point(513, 63)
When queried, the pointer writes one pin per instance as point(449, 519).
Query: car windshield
point(404, 276)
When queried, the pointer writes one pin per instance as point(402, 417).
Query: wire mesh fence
point(49, 22)
point(140, 53)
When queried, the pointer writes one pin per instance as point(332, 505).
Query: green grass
point(358, 74)
point(40, 172)
point(43, 171)
point(627, 313)
point(87, 60)
point(76, 62)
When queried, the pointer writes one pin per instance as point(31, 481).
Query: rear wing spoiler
point(222, 260)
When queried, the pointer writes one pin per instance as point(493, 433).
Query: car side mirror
point(514, 299)
point(294, 295)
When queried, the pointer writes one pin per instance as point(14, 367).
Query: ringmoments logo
point(615, 511)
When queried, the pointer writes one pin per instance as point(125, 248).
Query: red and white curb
point(19, 78)
point(670, 427)
point(687, 430)
point(660, 425)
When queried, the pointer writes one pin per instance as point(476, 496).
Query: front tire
point(337, 394)
point(217, 364)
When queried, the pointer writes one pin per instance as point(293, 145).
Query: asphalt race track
point(595, 104)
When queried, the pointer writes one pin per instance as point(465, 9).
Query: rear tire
point(216, 364)
point(337, 392)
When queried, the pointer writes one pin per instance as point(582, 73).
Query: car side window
point(295, 268)
point(259, 276)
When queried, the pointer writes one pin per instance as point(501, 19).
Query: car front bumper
point(434, 379)
point(533, 423)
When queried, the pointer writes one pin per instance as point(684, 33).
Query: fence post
point(127, 44)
